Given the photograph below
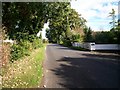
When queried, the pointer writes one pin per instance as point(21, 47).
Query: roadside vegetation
point(22, 62)
point(25, 72)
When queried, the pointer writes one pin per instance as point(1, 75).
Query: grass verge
point(26, 72)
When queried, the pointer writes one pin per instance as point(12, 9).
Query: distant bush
point(45, 41)
point(105, 37)
point(36, 43)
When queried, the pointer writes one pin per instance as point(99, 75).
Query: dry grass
point(4, 58)
point(5, 53)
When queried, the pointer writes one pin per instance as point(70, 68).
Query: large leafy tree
point(23, 19)
point(58, 20)
point(62, 20)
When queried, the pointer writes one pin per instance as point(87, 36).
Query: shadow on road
point(87, 73)
point(110, 56)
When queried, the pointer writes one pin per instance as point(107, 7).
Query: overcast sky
point(96, 12)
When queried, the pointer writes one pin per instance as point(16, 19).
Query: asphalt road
point(67, 68)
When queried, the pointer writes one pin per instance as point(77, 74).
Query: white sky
point(96, 12)
point(43, 31)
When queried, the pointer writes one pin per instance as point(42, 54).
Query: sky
point(119, 10)
point(96, 12)
point(43, 32)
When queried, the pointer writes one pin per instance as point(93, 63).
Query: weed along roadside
point(26, 72)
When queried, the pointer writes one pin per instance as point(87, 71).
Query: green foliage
point(105, 37)
point(117, 33)
point(62, 19)
point(37, 42)
point(67, 42)
point(45, 41)
point(23, 48)
point(88, 35)
point(22, 19)
point(75, 38)
point(19, 50)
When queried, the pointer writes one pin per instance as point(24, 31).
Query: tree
point(88, 35)
point(104, 37)
point(23, 19)
point(115, 27)
point(112, 14)
point(62, 20)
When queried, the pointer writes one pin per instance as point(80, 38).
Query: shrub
point(23, 47)
point(36, 43)
point(45, 41)
point(20, 49)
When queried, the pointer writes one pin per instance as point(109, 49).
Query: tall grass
point(26, 72)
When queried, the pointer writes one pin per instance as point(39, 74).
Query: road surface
point(67, 68)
